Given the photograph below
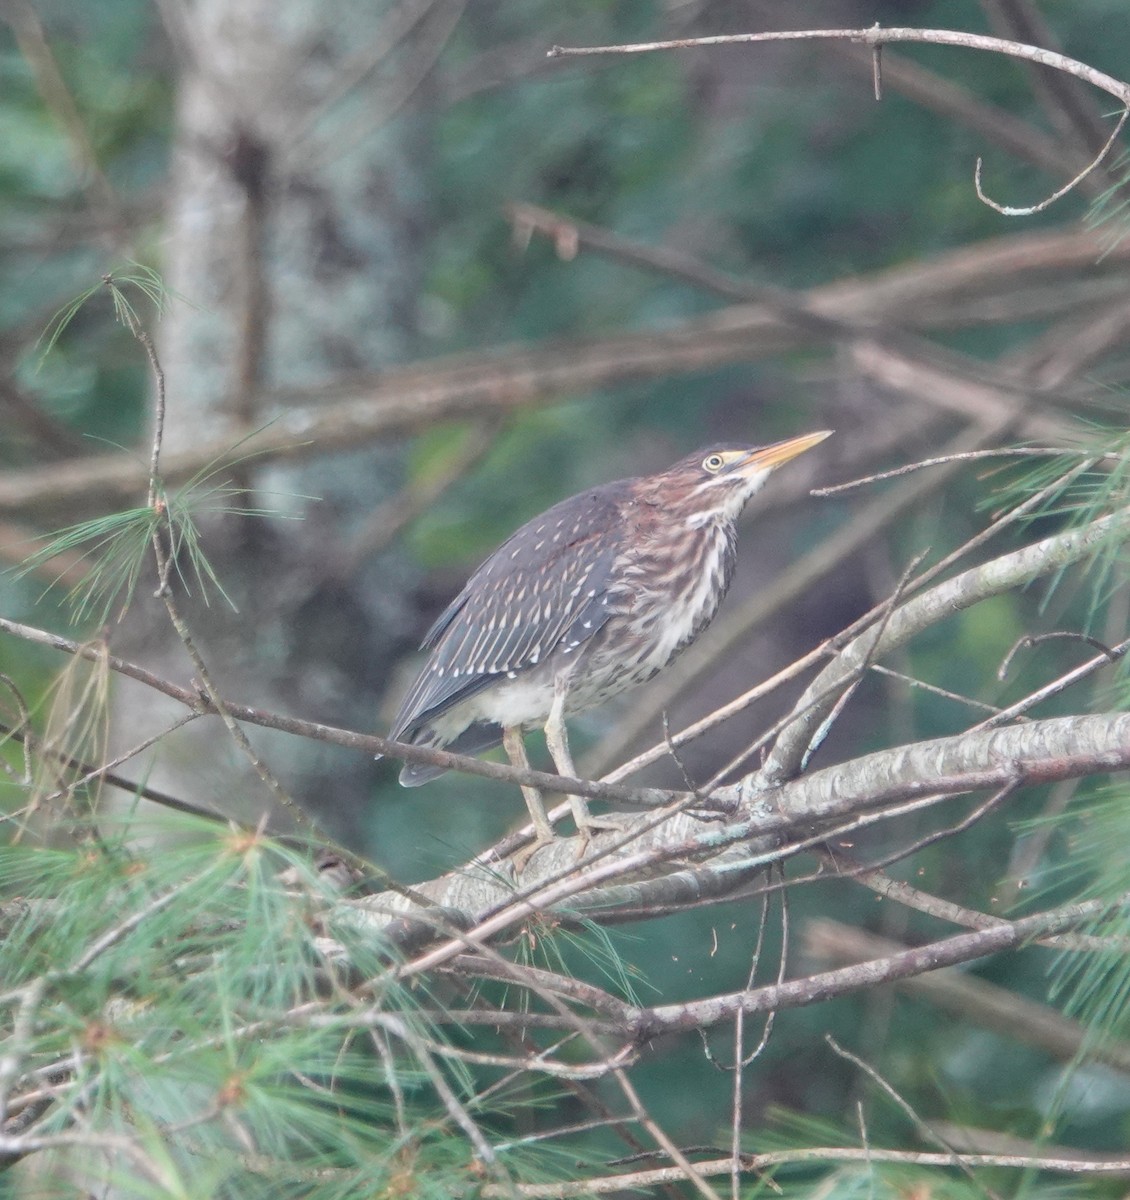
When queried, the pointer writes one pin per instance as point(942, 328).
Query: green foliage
point(1110, 212)
point(117, 548)
point(1074, 489)
point(587, 950)
point(178, 1001)
point(140, 277)
point(1097, 985)
point(178, 1024)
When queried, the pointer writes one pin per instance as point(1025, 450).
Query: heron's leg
point(557, 740)
point(515, 749)
point(556, 735)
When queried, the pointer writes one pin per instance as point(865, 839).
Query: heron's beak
point(771, 457)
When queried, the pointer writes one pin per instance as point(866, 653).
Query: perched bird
point(593, 597)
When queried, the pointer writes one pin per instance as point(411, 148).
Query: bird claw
point(521, 858)
point(588, 826)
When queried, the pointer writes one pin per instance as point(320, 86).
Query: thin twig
point(933, 689)
point(727, 633)
point(1067, 679)
point(957, 914)
point(902, 964)
point(959, 106)
point(163, 557)
point(1028, 641)
point(689, 1169)
point(366, 743)
point(1031, 209)
point(876, 36)
point(919, 1124)
point(1098, 1164)
point(961, 456)
point(1075, 117)
point(931, 839)
point(880, 629)
point(966, 996)
point(32, 743)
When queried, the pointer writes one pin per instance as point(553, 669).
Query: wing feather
point(543, 585)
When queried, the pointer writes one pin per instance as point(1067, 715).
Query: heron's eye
point(713, 463)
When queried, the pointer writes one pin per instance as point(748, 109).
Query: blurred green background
point(774, 165)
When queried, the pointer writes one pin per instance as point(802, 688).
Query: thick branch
point(971, 999)
point(683, 859)
point(963, 947)
point(961, 592)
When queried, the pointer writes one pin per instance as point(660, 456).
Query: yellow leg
point(515, 749)
point(557, 740)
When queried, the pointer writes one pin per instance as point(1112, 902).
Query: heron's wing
point(546, 583)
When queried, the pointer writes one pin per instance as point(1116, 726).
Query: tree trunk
point(292, 219)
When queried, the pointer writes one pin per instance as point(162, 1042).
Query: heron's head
point(716, 483)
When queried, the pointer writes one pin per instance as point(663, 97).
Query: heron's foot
point(521, 858)
point(589, 826)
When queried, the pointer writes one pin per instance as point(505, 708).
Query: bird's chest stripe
point(673, 607)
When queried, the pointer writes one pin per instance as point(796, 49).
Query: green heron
point(593, 597)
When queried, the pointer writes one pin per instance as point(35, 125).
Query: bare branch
point(956, 103)
point(399, 402)
point(367, 743)
point(976, 584)
point(900, 1101)
point(972, 999)
point(963, 947)
point(1031, 209)
point(1071, 111)
point(877, 36)
point(1071, 1164)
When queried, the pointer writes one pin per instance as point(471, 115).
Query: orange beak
point(780, 452)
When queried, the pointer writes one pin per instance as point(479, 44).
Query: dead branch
point(971, 999)
point(353, 412)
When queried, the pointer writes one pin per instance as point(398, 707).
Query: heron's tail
point(473, 740)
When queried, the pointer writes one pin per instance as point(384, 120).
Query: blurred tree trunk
point(292, 216)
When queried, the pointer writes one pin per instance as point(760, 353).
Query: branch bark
point(971, 999)
point(368, 408)
point(682, 859)
point(978, 583)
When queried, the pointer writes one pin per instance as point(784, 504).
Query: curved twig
point(1029, 210)
point(1031, 639)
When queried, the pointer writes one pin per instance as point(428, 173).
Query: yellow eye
point(713, 462)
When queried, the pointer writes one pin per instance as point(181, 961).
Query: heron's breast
point(660, 606)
